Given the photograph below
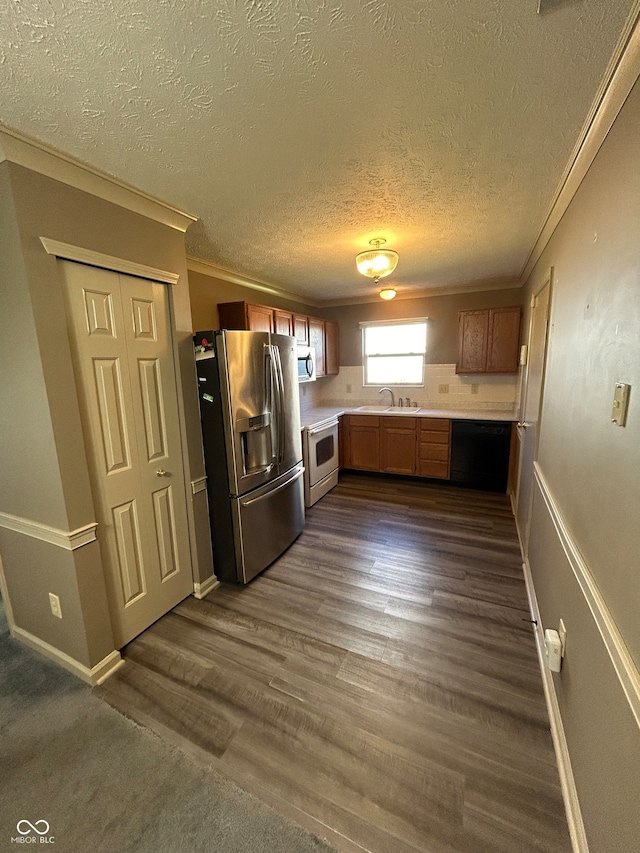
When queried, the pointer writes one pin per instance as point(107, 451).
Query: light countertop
point(312, 417)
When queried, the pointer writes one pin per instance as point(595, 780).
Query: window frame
point(407, 321)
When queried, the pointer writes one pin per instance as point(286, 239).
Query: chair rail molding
point(615, 645)
point(67, 539)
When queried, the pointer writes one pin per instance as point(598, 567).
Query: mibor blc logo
point(33, 833)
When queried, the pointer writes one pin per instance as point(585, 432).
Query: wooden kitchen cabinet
point(322, 335)
point(316, 340)
point(332, 348)
point(434, 447)
point(282, 322)
point(489, 340)
point(245, 315)
point(398, 445)
point(362, 442)
point(301, 328)
point(503, 350)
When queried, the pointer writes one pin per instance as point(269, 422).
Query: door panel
point(123, 358)
point(129, 550)
point(166, 532)
point(112, 417)
point(154, 424)
point(532, 399)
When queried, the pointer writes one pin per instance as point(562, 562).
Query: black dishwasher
point(480, 454)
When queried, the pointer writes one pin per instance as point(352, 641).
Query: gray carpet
point(107, 786)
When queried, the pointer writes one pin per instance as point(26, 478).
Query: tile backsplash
point(443, 389)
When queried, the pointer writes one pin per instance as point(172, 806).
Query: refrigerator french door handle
point(278, 385)
point(271, 395)
point(249, 501)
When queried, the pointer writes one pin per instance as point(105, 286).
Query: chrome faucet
point(393, 399)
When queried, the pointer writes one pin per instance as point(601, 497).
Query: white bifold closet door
point(120, 333)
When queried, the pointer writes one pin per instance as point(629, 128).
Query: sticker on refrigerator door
point(208, 398)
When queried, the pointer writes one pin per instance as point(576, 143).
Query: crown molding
point(620, 77)
point(207, 268)
point(422, 292)
point(24, 151)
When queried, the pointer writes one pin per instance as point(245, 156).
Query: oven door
point(322, 445)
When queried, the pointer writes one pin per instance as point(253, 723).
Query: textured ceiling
point(297, 131)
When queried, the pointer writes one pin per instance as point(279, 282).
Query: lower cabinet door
point(399, 447)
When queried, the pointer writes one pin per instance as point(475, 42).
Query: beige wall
point(442, 344)
point(44, 477)
point(592, 469)
point(206, 291)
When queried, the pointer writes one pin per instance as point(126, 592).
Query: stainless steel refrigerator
point(250, 412)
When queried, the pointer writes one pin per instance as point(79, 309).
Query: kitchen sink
point(386, 410)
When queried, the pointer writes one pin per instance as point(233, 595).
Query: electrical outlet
point(443, 389)
point(474, 388)
point(54, 601)
point(348, 389)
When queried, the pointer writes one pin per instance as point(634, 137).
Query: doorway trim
point(68, 252)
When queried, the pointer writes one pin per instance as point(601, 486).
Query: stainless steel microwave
point(306, 364)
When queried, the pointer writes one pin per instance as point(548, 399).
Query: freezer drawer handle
point(273, 491)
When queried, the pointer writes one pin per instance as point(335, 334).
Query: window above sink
point(393, 352)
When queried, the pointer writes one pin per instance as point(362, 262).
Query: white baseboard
point(202, 589)
point(93, 676)
point(567, 782)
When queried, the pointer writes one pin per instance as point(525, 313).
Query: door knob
point(523, 424)
point(161, 473)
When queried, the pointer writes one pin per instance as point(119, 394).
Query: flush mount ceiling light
point(376, 263)
point(387, 293)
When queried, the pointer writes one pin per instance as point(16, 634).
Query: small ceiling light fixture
point(387, 293)
point(376, 263)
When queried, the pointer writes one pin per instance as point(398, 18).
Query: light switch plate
point(620, 404)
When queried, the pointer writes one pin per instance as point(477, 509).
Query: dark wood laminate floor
point(379, 683)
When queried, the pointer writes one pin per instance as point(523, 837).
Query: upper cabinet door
point(282, 322)
point(332, 348)
point(488, 340)
point(473, 337)
point(301, 328)
point(504, 340)
point(259, 318)
point(316, 340)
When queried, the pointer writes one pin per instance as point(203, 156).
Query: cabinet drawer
point(398, 422)
point(435, 424)
point(434, 437)
point(434, 452)
point(434, 469)
point(364, 420)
